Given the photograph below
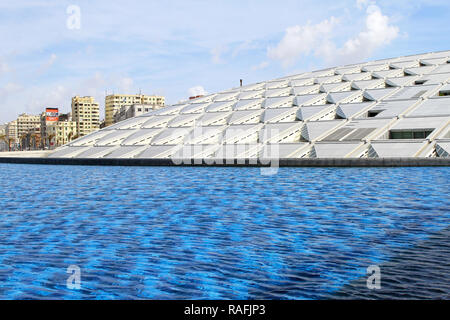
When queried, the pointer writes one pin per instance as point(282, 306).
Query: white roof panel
point(242, 134)
point(249, 104)
point(312, 112)
point(214, 118)
point(158, 152)
point(157, 121)
point(284, 150)
point(314, 130)
point(334, 150)
point(245, 117)
point(221, 106)
point(413, 92)
point(141, 137)
point(278, 102)
point(389, 149)
point(279, 114)
point(432, 107)
point(281, 132)
point(310, 99)
point(313, 89)
point(205, 135)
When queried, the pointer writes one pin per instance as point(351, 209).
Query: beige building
point(86, 113)
point(11, 134)
point(27, 123)
point(31, 140)
point(11, 130)
point(61, 132)
point(114, 102)
point(45, 122)
point(3, 138)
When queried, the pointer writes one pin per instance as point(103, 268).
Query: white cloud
point(377, 33)
point(197, 91)
point(301, 40)
point(318, 40)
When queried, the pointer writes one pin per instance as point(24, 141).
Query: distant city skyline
point(52, 51)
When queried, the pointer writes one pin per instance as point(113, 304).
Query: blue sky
point(176, 48)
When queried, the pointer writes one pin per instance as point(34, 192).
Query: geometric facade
point(397, 107)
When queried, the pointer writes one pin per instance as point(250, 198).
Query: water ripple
point(220, 233)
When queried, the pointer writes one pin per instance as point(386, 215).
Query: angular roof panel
point(443, 148)
point(310, 99)
point(349, 110)
point(334, 150)
point(287, 132)
point(432, 107)
point(413, 92)
point(368, 84)
point(278, 102)
point(314, 130)
point(308, 112)
point(248, 104)
point(378, 94)
point(395, 149)
point(245, 117)
point(283, 151)
point(279, 114)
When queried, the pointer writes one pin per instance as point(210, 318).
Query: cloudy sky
point(53, 50)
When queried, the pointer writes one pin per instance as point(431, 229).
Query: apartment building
point(126, 112)
point(3, 138)
point(62, 131)
point(11, 133)
point(114, 102)
point(86, 114)
point(27, 123)
point(32, 139)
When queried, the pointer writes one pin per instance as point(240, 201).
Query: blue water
point(208, 233)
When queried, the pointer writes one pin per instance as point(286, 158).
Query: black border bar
point(302, 162)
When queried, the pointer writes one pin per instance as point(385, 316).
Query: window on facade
point(410, 134)
point(372, 114)
point(420, 82)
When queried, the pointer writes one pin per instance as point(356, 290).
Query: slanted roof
point(334, 112)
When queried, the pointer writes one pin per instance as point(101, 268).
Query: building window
point(372, 114)
point(410, 134)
